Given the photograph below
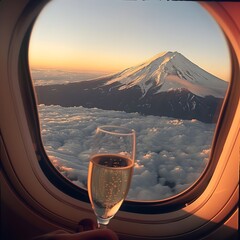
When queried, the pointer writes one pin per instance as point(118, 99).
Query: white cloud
point(54, 76)
point(171, 153)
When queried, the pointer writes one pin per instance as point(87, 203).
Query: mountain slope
point(167, 71)
point(166, 85)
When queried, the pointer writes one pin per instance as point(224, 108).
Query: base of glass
point(102, 222)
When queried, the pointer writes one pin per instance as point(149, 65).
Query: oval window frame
point(153, 206)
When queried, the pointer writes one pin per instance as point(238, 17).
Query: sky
point(161, 170)
point(111, 35)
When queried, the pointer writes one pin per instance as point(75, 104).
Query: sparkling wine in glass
point(110, 170)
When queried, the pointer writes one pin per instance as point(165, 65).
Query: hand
point(87, 233)
point(97, 234)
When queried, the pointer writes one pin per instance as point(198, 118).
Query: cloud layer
point(171, 153)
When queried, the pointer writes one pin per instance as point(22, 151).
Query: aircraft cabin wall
point(31, 205)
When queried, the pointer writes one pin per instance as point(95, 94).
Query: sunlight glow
point(110, 36)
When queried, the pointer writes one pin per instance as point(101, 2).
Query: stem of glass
point(102, 222)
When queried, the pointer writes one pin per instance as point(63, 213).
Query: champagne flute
point(110, 170)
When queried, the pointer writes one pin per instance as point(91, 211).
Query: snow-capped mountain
point(166, 85)
point(170, 71)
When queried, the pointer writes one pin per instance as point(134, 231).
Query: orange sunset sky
point(110, 36)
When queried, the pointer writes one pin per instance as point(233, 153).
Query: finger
point(106, 234)
point(97, 234)
point(51, 236)
point(59, 232)
point(86, 225)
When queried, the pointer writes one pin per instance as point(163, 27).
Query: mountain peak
point(165, 54)
point(168, 71)
point(161, 58)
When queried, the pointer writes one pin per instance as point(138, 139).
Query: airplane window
point(161, 68)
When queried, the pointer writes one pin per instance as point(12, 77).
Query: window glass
point(161, 68)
